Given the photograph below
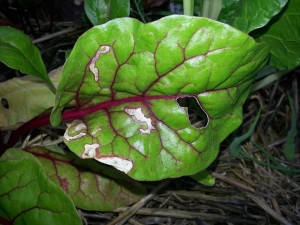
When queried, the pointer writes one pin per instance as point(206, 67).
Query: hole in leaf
point(4, 103)
point(197, 116)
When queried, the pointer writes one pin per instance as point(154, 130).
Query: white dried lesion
point(96, 130)
point(103, 49)
point(75, 127)
point(90, 150)
point(120, 164)
point(139, 116)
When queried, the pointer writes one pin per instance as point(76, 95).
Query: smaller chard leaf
point(91, 186)
point(28, 196)
point(282, 33)
point(204, 177)
point(125, 86)
point(253, 14)
point(101, 11)
point(18, 52)
point(23, 98)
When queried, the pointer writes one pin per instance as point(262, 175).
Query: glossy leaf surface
point(23, 98)
point(91, 185)
point(28, 196)
point(18, 52)
point(101, 11)
point(126, 77)
point(283, 35)
point(253, 14)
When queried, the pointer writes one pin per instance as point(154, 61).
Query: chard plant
point(118, 95)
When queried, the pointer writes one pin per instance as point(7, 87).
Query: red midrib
point(73, 114)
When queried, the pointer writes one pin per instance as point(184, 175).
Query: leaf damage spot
point(80, 126)
point(96, 130)
point(64, 183)
point(140, 117)
point(123, 165)
point(4, 103)
point(139, 145)
point(90, 150)
point(197, 116)
point(103, 49)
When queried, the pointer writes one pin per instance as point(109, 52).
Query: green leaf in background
point(252, 14)
point(236, 151)
point(291, 139)
point(126, 86)
point(28, 196)
point(235, 148)
point(282, 33)
point(68, 52)
point(204, 177)
point(101, 11)
point(91, 186)
point(18, 52)
point(23, 98)
point(228, 10)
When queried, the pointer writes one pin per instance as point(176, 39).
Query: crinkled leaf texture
point(91, 185)
point(126, 78)
point(253, 14)
point(28, 196)
point(282, 33)
point(25, 98)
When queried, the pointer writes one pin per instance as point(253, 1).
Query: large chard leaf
point(90, 185)
point(18, 52)
point(27, 196)
point(283, 35)
point(252, 14)
point(126, 78)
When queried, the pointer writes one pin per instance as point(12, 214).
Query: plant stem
point(188, 7)
point(211, 9)
point(70, 115)
point(205, 8)
point(137, 5)
point(268, 80)
point(215, 9)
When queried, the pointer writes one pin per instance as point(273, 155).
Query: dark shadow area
point(197, 116)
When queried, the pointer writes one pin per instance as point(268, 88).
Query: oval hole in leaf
point(197, 116)
point(4, 103)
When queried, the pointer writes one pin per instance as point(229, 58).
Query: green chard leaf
point(101, 11)
point(252, 14)
point(28, 196)
point(282, 33)
point(91, 185)
point(126, 78)
point(18, 52)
